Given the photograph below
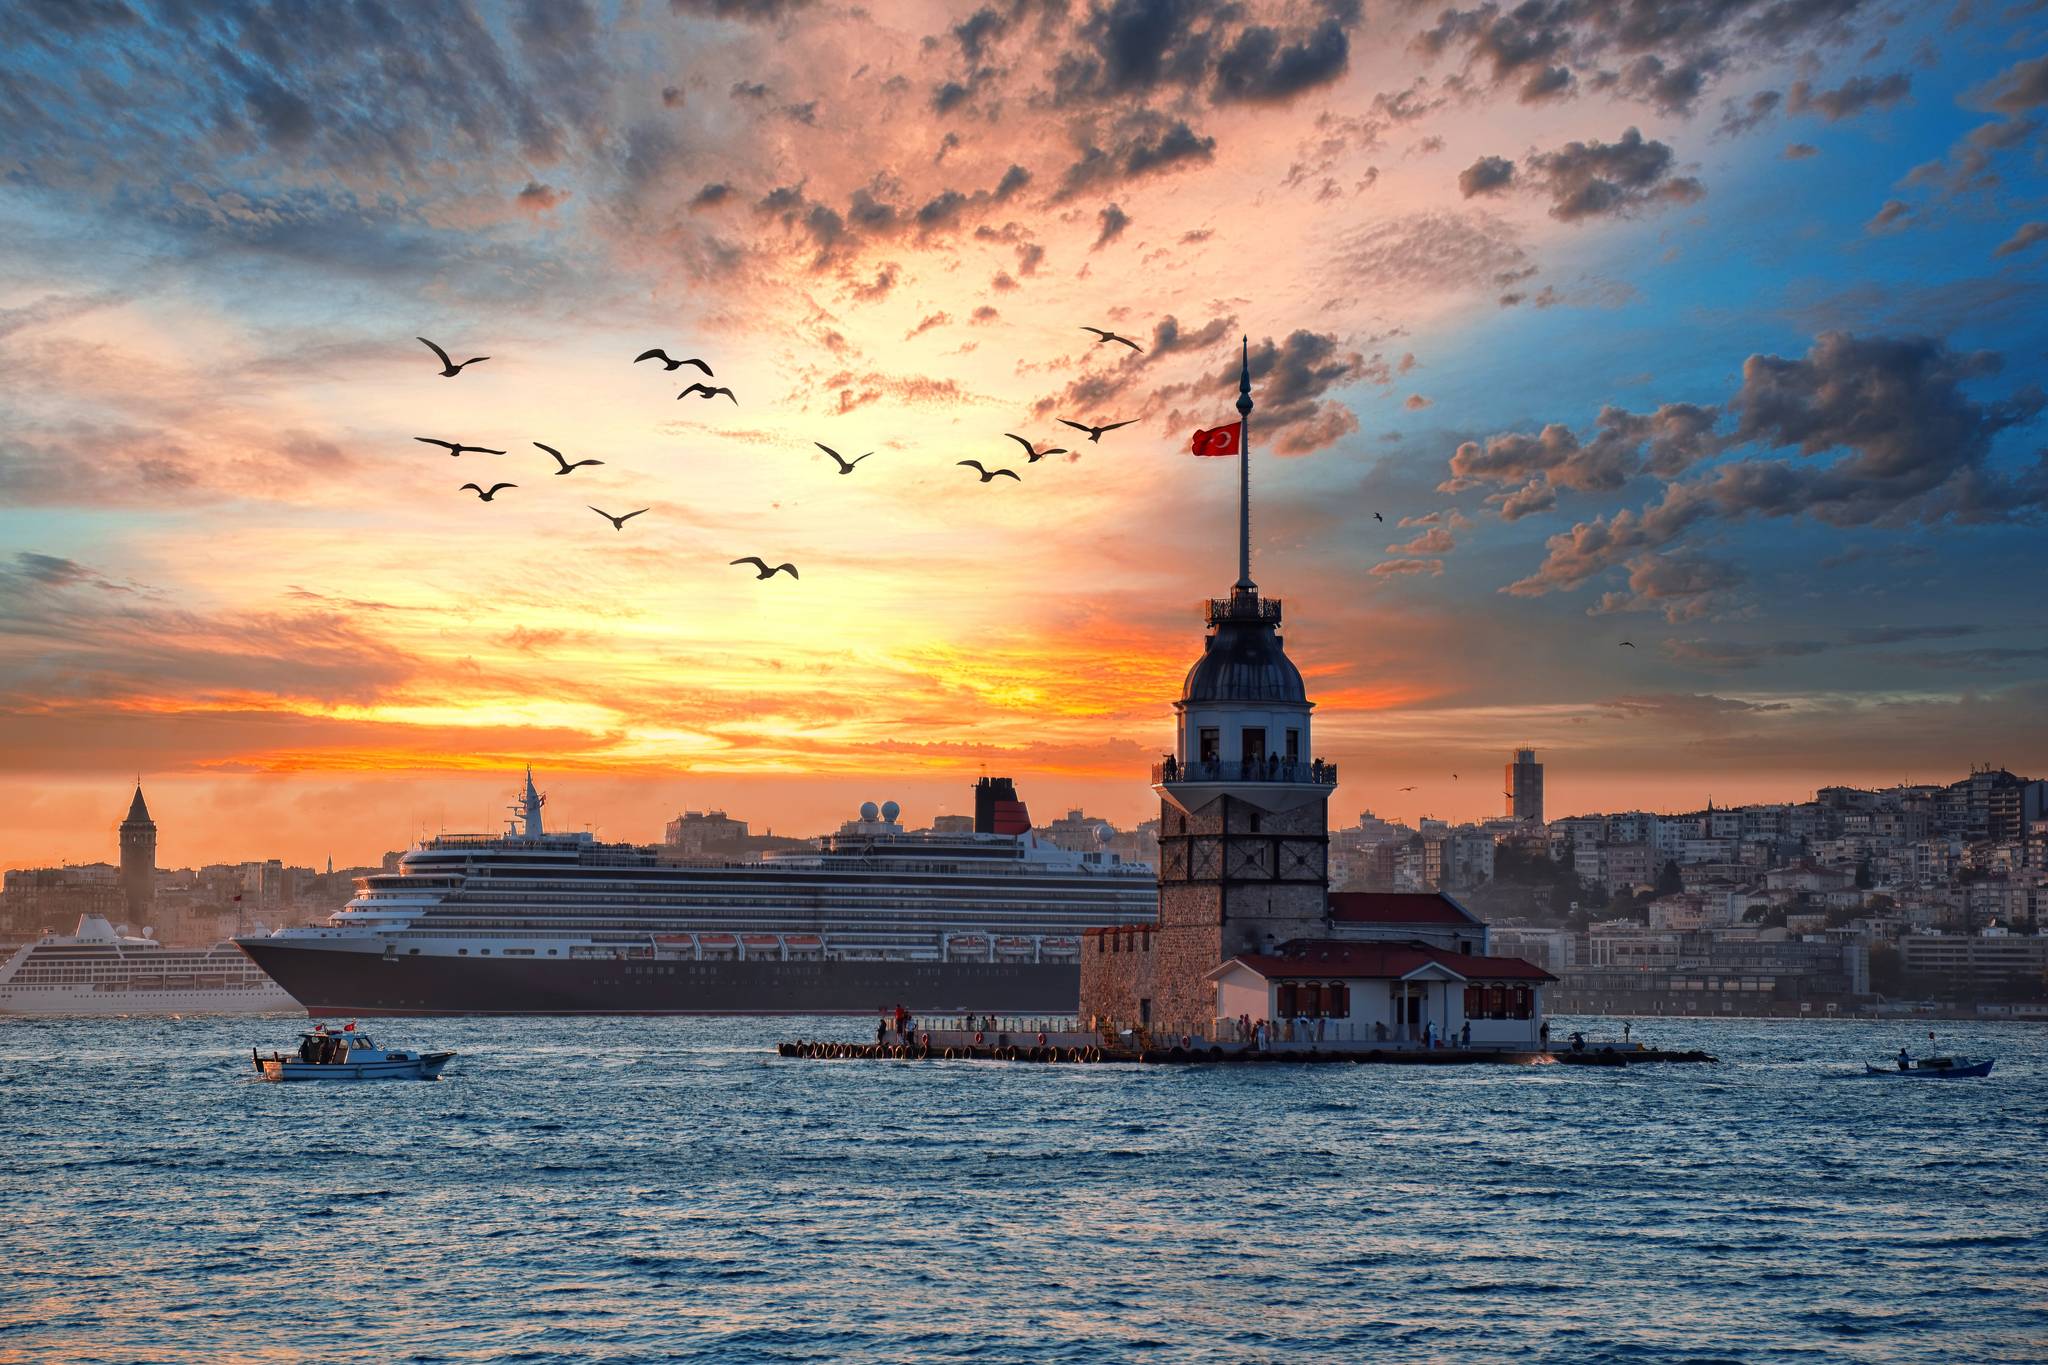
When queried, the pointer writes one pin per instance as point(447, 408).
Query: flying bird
point(618, 523)
point(1095, 433)
point(987, 474)
point(566, 466)
point(1626, 644)
point(1102, 336)
point(449, 369)
point(1033, 451)
point(1407, 789)
point(845, 465)
point(705, 391)
point(455, 448)
point(1454, 777)
point(1377, 517)
point(486, 494)
point(762, 565)
point(668, 362)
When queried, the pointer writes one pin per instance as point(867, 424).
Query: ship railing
point(1306, 772)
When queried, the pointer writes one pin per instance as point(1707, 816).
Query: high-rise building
point(138, 861)
point(1525, 787)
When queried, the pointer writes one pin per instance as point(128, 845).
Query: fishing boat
point(348, 1056)
point(1935, 1069)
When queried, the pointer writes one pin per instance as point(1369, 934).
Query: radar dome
point(867, 811)
point(890, 810)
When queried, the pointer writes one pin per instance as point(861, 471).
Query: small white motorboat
point(348, 1056)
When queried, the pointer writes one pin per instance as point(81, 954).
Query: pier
point(1066, 1042)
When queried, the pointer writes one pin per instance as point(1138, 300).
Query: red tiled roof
point(1397, 907)
point(1382, 961)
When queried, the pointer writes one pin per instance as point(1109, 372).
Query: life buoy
point(978, 1036)
point(1041, 1037)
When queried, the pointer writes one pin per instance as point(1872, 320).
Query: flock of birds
point(1033, 452)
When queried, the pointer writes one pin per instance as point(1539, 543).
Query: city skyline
point(646, 827)
point(1719, 343)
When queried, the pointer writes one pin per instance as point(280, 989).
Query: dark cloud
point(1752, 113)
point(1683, 586)
point(748, 90)
point(538, 198)
point(711, 196)
point(1114, 220)
point(1668, 51)
point(1144, 144)
point(1884, 434)
point(1487, 175)
point(1624, 445)
point(1799, 151)
point(1850, 98)
point(1261, 67)
point(2025, 236)
point(1895, 635)
point(2018, 89)
point(926, 323)
point(1891, 218)
point(1610, 179)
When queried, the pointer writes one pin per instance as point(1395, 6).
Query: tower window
point(1211, 744)
point(1253, 742)
point(1293, 746)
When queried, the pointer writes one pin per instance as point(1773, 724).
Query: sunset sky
point(1716, 326)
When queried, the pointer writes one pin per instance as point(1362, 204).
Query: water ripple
point(621, 1190)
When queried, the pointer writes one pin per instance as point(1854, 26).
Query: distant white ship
point(98, 971)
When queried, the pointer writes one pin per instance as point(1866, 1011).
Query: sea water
point(640, 1189)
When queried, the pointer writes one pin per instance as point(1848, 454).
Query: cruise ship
point(99, 971)
point(534, 922)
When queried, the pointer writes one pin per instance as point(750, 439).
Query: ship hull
point(330, 981)
point(115, 1004)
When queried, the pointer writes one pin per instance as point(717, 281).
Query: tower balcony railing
point(1244, 606)
point(1301, 772)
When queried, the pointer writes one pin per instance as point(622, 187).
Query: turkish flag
point(1218, 440)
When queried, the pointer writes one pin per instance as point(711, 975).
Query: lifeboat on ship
point(967, 947)
point(718, 945)
point(1059, 947)
point(675, 945)
point(803, 945)
point(762, 945)
point(1013, 947)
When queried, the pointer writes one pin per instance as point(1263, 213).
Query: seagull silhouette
point(1454, 777)
point(486, 494)
point(1377, 517)
point(670, 363)
point(707, 392)
point(1407, 789)
point(1095, 433)
point(1033, 451)
point(765, 571)
point(449, 369)
point(845, 465)
point(988, 474)
point(1102, 336)
point(1626, 644)
point(456, 447)
point(618, 523)
point(566, 466)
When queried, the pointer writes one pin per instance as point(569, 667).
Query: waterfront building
point(1246, 922)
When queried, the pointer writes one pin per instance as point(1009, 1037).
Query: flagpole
point(1244, 469)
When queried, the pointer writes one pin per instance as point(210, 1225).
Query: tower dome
point(1243, 658)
